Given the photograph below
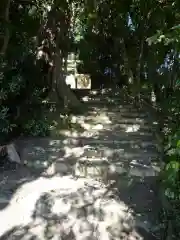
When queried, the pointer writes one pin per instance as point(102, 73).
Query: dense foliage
point(133, 43)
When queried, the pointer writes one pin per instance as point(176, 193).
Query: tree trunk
point(128, 69)
point(7, 34)
point(60, 90)
point(58, 26)
point(137, 84)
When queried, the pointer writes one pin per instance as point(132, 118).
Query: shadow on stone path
point(70, 208)
point(99, 183)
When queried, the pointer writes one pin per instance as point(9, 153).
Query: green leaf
point(178, 144)
point(173, 165)
point(177, 82)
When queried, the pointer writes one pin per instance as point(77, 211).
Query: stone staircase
point(115, 145)
point(115, 138)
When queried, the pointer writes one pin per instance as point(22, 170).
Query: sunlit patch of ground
point(133, 128)
point(67, 208)
point(93, 124)
point(97, 118)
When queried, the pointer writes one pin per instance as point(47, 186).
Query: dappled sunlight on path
point(64, 206)
point(93, 180)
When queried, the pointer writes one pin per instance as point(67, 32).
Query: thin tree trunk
point(59, 24)
point(128, 69)
point(59, 85)
point(7, 33)
point(138, 70)
point(174, 72)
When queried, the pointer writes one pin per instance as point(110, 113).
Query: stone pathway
point(95, 183)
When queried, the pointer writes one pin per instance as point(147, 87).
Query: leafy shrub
point(37, 127)
point(171, 182)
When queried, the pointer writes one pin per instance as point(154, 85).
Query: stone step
point(59, 142)
point(126, 145)
point(126, 130)
point(118, 154)
point(43, 144)
point(106, 125)
point(114, 109)
point(108, 135)
point(130, 115)
point(86, 151)
point(128, 120)
point(117, 124)
point(112, 95)
point(119, 114)
point(44, 147)
point(39, 157)
point(100, 168)
point(107, 119)
point(132, 142)
point(43, 151)
point(100, 99)
point(108, 104)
